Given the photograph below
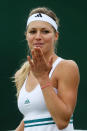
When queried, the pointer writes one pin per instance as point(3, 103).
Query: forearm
point(20, 127)
point(55, 105)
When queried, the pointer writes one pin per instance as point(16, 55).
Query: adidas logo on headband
point(38, 15)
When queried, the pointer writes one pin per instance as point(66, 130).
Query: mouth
point(38, 44)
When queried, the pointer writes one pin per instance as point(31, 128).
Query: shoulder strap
point(58, 60)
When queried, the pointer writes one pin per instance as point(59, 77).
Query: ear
point(56, 36)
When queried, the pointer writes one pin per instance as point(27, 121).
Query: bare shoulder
point(68, 69)
point(69, 64)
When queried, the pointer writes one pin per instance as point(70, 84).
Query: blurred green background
point(72, 45)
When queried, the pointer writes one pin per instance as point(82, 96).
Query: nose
point(38, 35)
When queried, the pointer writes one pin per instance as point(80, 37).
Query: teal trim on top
point(71, 117)
point(39, 124)
point(38, 120)
point(71, 122)
point(47, 120)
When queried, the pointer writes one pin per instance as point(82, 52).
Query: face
point(41, 34)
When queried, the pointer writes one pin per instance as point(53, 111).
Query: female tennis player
point(47, 85)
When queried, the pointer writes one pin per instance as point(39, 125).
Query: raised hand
point(38, 64)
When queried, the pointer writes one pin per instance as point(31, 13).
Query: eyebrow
point(40, 28)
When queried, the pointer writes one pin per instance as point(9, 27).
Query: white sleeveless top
point(32, 105)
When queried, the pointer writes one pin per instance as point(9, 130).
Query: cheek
point(29, 39)
point(49, 39)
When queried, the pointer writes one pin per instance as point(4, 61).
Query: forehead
point(39, 24)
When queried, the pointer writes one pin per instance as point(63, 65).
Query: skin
point(20, 127)
point(41, 39)
point(43, 34)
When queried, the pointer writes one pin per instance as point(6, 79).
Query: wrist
point(48, 84)
point(43, 80)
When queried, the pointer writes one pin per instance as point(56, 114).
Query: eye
point(32, 32)
point(45, 31)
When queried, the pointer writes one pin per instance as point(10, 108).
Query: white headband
point(42, 17)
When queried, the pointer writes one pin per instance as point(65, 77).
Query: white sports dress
point(32, 106)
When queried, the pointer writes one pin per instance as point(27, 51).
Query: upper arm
point(68, 81)
point(21, 126)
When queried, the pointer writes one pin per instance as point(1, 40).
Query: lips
point(38, 44)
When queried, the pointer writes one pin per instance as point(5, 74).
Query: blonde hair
point(20, 76)
point(22, 73)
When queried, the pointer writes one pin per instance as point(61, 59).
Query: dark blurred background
point(72, 44)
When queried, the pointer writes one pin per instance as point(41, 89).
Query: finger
point(30, 61)
point(36, 52)
point(39, 51)
point(40, 55)
point(34, 57)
